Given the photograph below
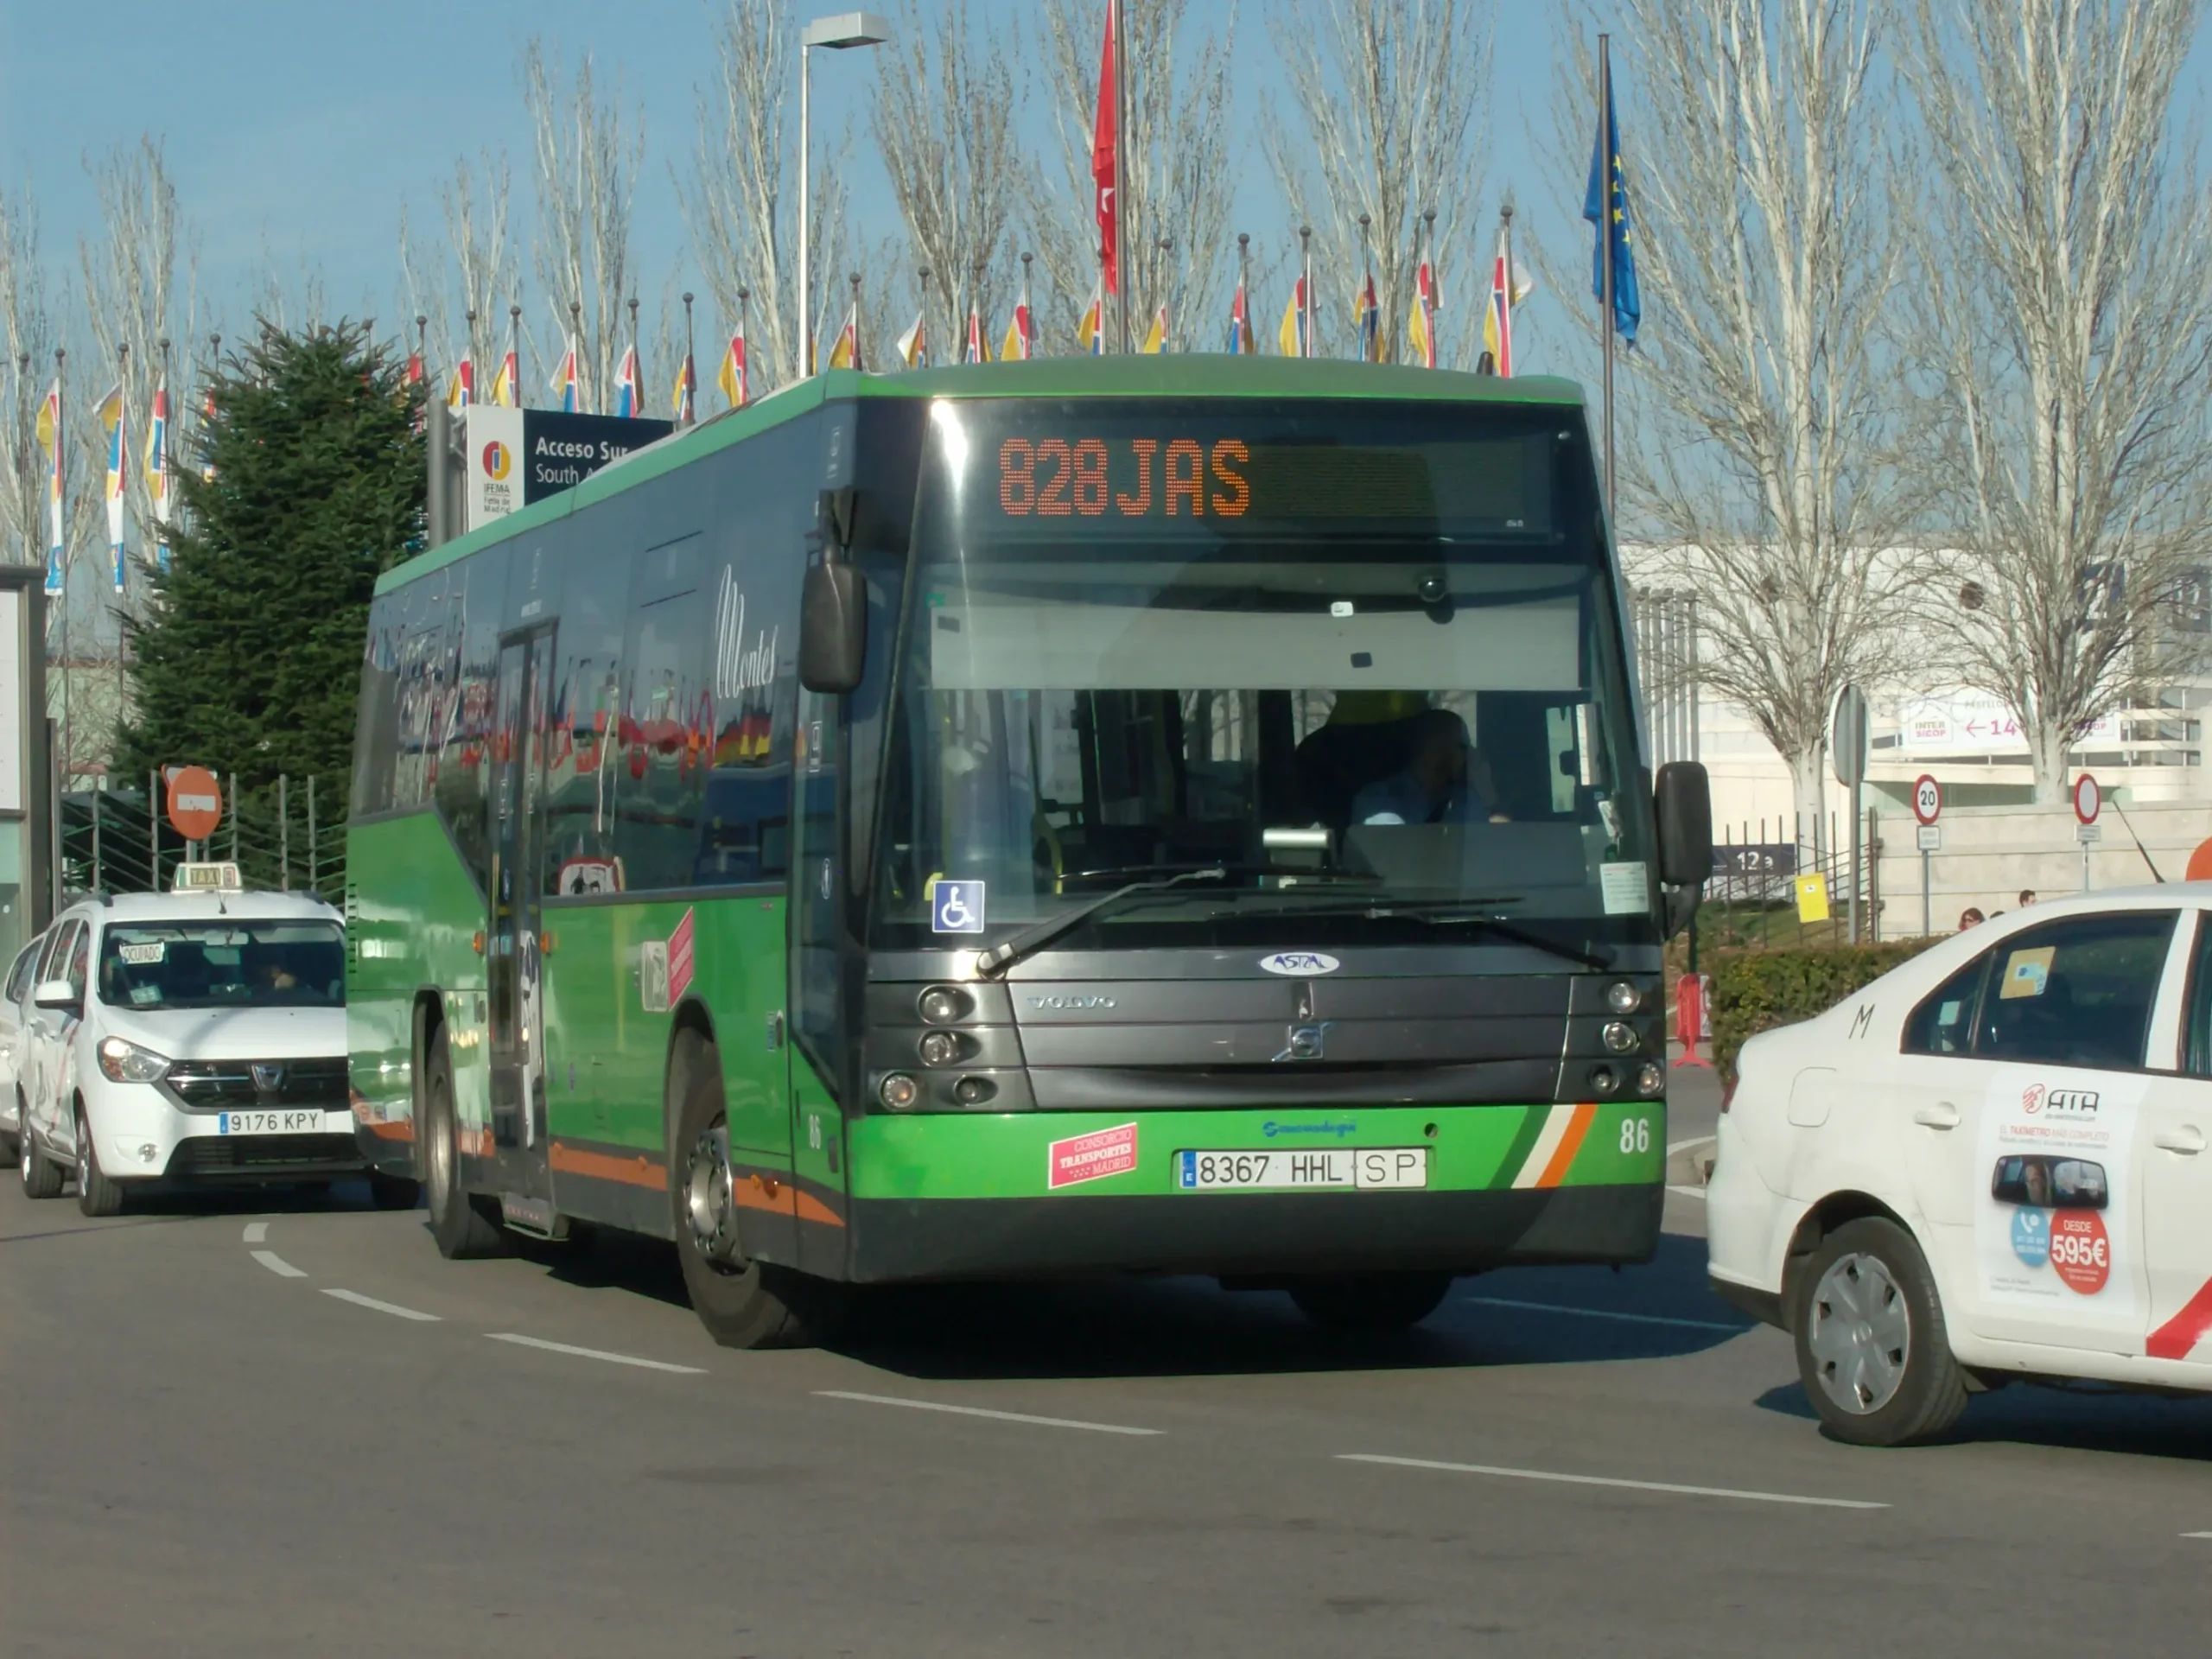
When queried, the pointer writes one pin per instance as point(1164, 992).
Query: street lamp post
point(838, 33)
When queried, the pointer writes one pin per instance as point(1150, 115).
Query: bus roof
point(1192, 374)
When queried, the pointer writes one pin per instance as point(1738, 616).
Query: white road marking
point(595, 1353)
point(277, 1265)
point(1669, 1487)
point(394, 1308)
point(980, 1411)
point(2197, 1534)
point(1607, 1314)
point(256, 1232)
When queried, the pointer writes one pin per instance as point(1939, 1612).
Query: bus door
point(513, 968)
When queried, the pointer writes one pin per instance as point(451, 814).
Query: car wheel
point(1370, 1301)
point(743, 1304)
point(41, 1176)
point(465, 1226)
point(393, 1191)
point(96, 1194)
point(1872, 1347)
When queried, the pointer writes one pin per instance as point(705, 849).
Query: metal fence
point(1752, 900)
point(287, 835)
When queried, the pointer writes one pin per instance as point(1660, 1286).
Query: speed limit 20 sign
point(1927, 798)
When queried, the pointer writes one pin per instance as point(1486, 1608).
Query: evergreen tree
point(249, 659)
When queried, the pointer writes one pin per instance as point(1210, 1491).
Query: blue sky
point(294, 137)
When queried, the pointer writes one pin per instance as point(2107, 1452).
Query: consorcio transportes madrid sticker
point(1091, 1157)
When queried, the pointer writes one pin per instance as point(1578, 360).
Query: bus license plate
point(1362, 1167)
point(298, 1122)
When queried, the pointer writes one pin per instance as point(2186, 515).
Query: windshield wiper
point(1303, 872)
point(1503, 929)
point(1011, 949)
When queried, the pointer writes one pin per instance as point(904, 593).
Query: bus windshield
point(1364, 658)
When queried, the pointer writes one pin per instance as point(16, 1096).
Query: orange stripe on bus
point(766, 1192)
point(1569, 1144)
point(639, 1170)
point(402, 1130)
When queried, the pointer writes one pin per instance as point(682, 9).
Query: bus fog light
point(941, 1005)
point(898, 1091)
point(1602, 1081)
point(973, 1091)
point(1651, 1080)
point(1623, 997)
point(1618, 1035)
point(939, 1048)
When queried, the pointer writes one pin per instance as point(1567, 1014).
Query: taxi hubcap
point(1860, 1334)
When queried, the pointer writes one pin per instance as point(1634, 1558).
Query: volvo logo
point(1308, 1042)
point(1070, 1004)
point(1298, 963)
point(268, 1078)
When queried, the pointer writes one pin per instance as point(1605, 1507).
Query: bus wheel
point(463, 1226)
point(1370, 1301)
point(742, 1304)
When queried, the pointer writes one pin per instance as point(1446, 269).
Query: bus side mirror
point(832, 627)
point(1683, 804)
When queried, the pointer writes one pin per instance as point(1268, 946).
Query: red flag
point(1105, 156)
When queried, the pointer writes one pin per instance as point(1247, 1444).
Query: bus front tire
point(742, 1304)
point(1370, 1301)
point(464, 1227)
point(1871, 1349)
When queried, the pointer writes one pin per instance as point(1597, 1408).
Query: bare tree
point(742, 203)
point(478, 276)
point(1766, 256)
point(2067, 247)
point(1180, 184)
point(28, 327)
point(588, 153)
point(943, 119)
point(1384, 94)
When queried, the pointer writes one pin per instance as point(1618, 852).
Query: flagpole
point(576, 336)
point(687, 371)
point(1605, 242)
point(1122, 220)
point(1244, 286)
point(1306, 290)
point(922, 322)
point(858, 362)
point(744, 304)
point(636, 361)
point(61, 525)
point(1025, 319)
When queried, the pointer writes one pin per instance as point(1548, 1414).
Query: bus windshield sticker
point(956, 906)
point(1627, 890)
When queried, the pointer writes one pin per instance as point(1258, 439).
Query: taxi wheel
point(96, 1194)
point(1872, 1348)
point(459, 1221)
point(1370, 1301)
point(742, 1304)
point(41, 1176)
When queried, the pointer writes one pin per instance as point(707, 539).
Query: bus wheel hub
point(709, 1202)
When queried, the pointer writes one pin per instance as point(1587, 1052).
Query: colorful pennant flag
point(109, 412)
point(565, 380)
point(1106, 155)
point(1240, 323)
point(461, 391)
point(913, 346)
point(1090, 327)
point(686, 397)
point(1420, 323)
point(731, 379)
point(1370, 322)
point(626, 385)
point(49, 444)
point(1016, 347)
point(1155, 340)
point(846, 353)
point(506, 393)
point(158, 492)
point(976, 350)
point(1506, 289)
point(1294, 338)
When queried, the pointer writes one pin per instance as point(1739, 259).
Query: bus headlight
point(941, 1005)
point(1651, 1080)
point(1623, 997)
point(898, 1091)
point(1602, 1081)
point(939, 1048)
point(123, 1062)
point(1618, 1035)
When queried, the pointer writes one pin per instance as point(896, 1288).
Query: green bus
point(1147, 814)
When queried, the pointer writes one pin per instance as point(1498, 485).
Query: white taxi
point(188, 1038)
point(1989, 1164)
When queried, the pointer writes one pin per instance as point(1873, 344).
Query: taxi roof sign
point(209, 877)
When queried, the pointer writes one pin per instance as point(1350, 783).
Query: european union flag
point(1628, 306)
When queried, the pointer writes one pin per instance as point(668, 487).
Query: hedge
point(1756, 990)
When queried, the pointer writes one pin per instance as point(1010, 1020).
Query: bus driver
point(1445, 780)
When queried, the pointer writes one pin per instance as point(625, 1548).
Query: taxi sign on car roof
point(196, 877)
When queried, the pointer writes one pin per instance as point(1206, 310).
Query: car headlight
point(124, 1062)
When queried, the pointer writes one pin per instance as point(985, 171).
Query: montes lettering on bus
point(740, 668)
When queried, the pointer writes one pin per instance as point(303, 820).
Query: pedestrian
point(1968, 918)
point(2027, 897)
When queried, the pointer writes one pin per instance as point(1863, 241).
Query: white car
point(14, 1010)
point(1989, 1164)
point(186, 1038)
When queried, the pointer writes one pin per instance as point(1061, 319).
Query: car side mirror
point(1682, 802)
point(832, 627)
point(57, 994)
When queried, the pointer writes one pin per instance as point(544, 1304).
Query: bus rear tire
point(1370, 1301)
point(464, 1227)
point(742, 1304)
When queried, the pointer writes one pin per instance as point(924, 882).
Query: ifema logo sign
point(498, 458)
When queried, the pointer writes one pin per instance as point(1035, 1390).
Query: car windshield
point(231, 963)
point(1367, 661)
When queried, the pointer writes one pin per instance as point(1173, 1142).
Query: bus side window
point(466, 722)
point(584, 758)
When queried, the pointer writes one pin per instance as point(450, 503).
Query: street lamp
point(838, 33)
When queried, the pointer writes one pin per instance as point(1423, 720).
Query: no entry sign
point(2087, 798)
point(195, 802)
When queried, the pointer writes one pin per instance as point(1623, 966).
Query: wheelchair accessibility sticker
point(956, 906)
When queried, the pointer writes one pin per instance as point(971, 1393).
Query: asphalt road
point(264, 1428)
